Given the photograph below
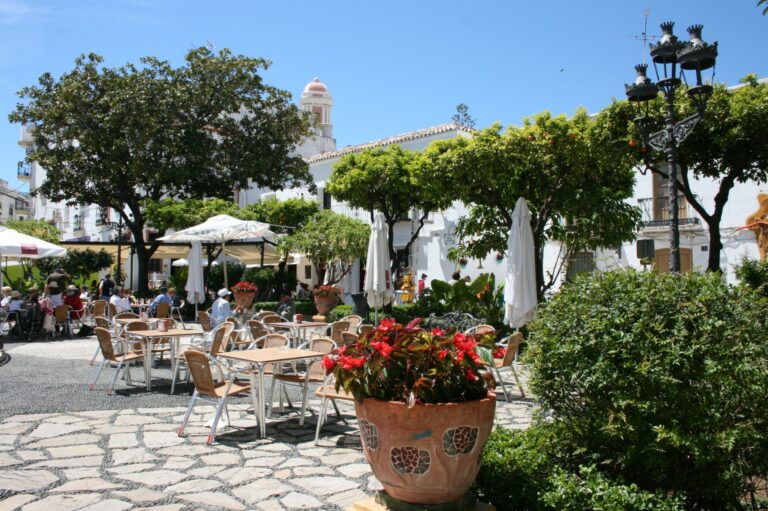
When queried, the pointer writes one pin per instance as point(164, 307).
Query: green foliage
point(180, 214)
point(331, 241)
point(302, 307)
point(284, 216)
point(215, 280)
point(658, 380)
point(383, 179)
point(592, 490)
point(480, 298)
point(179, 281)
point(80, 264)
point(37, 228)
point(339, 312)
point(154, 131)
point(574, 174)
point(754, 274)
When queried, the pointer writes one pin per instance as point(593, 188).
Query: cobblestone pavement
point(131, 458)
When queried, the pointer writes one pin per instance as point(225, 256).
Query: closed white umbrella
point(195, 286)
point(520, 300)
point(220, 229)
point(17, 245)
point(378, 280)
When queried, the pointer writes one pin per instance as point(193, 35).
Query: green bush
point(754, 274)
point(340, 311)
point(215, 279)
point(658, 380)
point(592, 490)
point(307, 309)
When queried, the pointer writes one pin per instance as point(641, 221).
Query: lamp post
point(674, 57)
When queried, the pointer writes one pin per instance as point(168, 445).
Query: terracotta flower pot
point(428, 454)
point(244, 298)
point(325, 304)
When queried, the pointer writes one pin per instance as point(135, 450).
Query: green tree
point(728, 146)
point(37, 228)
point(119, 136)
point(283, 216)
point(79, 264)
point(383, 179)
point(462, 116)
point(332, 242)
point(573, 175)
point(765, 3)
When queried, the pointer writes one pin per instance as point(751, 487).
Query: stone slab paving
point(132, 459)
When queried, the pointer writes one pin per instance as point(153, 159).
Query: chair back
point(365, 329)
point(61, 313)
point(275, 341)
point(483, 330)
point(163, 310)
point(126, 315)
point(354, 322)
point(230, 320)
point(200, 369)
point(102, 322)
point(105, 343)
point(257, 329)
point(336, 330)
point(263, 314)
point(221, 333)
point(272, 318)
point(136, 325)
point(182, 303)
point(99, 308)
point(112, 310)
point(324, 345)
point(348, 338)
point(513, 344)
point(205, 321)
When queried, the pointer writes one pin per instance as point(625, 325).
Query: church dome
point(316, 86)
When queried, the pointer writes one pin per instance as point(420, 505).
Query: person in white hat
point(221, 310)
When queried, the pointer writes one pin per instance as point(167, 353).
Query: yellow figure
point(757, 222)
point(407, 288)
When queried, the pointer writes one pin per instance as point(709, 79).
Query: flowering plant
point(410, 364)
point(244, 287)
point(328, 291)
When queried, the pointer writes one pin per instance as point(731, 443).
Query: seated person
point(161, 298)
point(53, 294)
point(85, 295)
point(303, 292)
point(286, 308)
point(221, 310)
point(33, 297)
point(72, 298)
point(121, 302)
point(15, 312)
point(15, 304)
point(175, 300)
point(6, 297)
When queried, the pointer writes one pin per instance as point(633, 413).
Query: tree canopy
point(118, 136)
point(571, 171)
point(728, 146)
point(284, 216)
point(37, 228)
point(332, 242)
point(383, 179)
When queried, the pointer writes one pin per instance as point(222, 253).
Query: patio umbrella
point(195, 286)
point(378, 281)
point(221, 229)
point(520, 300)
point(17, 245)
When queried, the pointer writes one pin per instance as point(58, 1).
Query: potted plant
point(424, 405)
point(326, 298)
point(244, 293)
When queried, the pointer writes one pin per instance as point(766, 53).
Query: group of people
point(222, 309)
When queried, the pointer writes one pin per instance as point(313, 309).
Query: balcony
point(23, 171)
point(22, 207)
point(347, 210)
point(655, 212)
point(26, 138)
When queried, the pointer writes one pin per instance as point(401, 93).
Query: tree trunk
point(538, 254)
point(715, 245)
point(142, 256)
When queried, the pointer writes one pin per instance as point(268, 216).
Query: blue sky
point(392, 66)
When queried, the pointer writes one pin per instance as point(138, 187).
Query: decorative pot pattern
point(325, 304)
point(427, 454)
point(244, 299)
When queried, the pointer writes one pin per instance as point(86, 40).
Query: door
point(662, 260)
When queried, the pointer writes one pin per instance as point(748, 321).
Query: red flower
point(471, 376)
point(382, 347)
point(442, 354)
point(438, 332)
point(464, 343)
point(413, 325)
point(386, 325)
point(348, 363)
point(499, 352)
point(329, 364)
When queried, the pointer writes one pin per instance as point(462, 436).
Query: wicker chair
point(512, 344)
point(107, 350)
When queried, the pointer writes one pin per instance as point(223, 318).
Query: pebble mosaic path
point(121, 459)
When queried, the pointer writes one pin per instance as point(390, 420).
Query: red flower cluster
point(499, 352)
point(244, 287)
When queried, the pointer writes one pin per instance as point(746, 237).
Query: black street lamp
point(669, 53)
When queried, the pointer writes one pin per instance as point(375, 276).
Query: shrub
point(754, 274)
point(307, 309)
point(658, 380)
point(340, 311)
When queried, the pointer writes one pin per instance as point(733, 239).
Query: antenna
point(643, 36)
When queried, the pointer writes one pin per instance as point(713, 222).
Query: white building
point(14, 205)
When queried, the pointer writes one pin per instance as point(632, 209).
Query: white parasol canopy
point(220, 229)
point(195, 286)
point(520, 300)
point(17, 245)
point(378, 281)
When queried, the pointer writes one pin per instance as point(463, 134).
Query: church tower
point(318, 101)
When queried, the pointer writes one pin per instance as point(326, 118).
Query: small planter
point(326, 304)
point(244, 299)
point(427, 454)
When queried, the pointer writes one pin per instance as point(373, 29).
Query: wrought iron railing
point(655, 211)
point(346, 210)
point(23, 170)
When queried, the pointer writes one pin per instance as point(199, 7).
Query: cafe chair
point(177, 312)
point(354, 322)
point(512, 344)
point(216, 345)
point(61, 320)
point(327, 392)
point(365, 329)
point(336, 329)
point(163, 311)
point(206, 389)
point(107, 350)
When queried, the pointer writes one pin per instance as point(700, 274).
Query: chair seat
point(330, 392)
point(129, 357)
point(498, 362)
point(238, 387)
point(296, 378)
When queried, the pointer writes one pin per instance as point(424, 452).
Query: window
point(327, 200)
point(581, 262)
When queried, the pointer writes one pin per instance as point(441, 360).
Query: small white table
point(148, 338)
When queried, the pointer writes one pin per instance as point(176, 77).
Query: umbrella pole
point(224, 259)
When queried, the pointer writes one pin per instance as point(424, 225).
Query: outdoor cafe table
point(258, 359)
point(147, 337)
point(298, 331)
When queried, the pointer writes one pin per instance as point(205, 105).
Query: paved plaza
point(64, 448)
